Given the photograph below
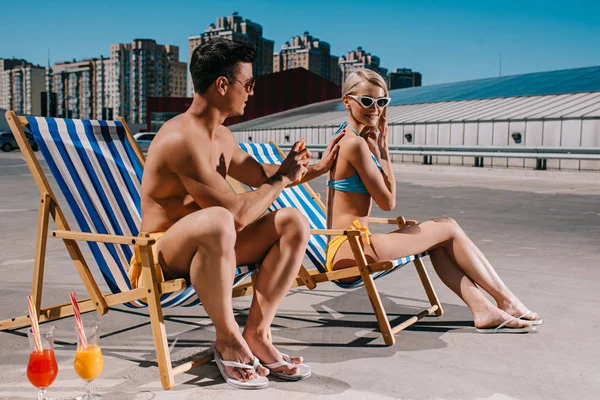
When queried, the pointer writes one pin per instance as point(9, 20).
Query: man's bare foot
point(267, 353)
point(517, 309)
point(237, 350)
point(494, 316)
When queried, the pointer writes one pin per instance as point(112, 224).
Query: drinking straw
point(78, 321)
point(35, 327)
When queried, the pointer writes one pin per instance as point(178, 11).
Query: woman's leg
point(477, 266)
point(457, 261)
point(485, 314)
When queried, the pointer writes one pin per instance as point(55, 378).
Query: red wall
point(273, 93)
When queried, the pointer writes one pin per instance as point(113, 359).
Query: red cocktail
point(42, 368)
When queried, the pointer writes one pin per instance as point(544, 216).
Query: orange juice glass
point(89, 362)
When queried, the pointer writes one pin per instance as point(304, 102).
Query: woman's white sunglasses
point(367, 101)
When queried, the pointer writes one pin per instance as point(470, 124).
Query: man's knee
point(293, 222)
point(218, 229)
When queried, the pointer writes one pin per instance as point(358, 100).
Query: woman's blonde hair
point(362, 75)
point(365, 75)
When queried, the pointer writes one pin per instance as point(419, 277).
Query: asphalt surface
point(540, 229)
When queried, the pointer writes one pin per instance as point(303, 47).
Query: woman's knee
point(292, 222)
point(449, 224)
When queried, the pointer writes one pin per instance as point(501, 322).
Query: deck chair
point(98, 167)
point(303, 198)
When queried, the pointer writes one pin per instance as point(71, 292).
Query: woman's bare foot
point(262, 348)
point(494, 316)
point(518, 309)
point(237, 350)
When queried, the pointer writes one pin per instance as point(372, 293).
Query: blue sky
point(446, 41)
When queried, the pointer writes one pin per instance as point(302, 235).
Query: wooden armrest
point(400, 221)
point(174, 285)
point(98, 237)
point(334, 232)
point(383, 221)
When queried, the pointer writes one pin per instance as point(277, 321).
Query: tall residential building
point(359, 59)
point(139, 70)
point(402, 78)
point(80, 88)
point(21, 86)
point(235, 28)
point(105, 94)
point(309, 53)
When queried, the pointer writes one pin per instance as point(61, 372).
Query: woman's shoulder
point(353, 144)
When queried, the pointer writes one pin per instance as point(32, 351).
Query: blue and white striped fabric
point(100, 175)
point(299, 198)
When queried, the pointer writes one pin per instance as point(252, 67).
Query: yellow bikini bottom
point(135, 264)
point(334, 244)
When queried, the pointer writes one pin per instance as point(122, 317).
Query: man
point(204, 229)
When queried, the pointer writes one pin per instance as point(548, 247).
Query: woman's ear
point(345, 101)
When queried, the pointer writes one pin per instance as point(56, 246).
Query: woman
point(363, 171)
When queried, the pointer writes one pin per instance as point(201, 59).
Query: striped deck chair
point(303, 198)
point(98, 167)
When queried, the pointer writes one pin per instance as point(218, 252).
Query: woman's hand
point(372, 138)
point(377, 138)
point(383, 137)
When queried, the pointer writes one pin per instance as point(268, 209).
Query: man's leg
point(201, 246)
point(278, 242)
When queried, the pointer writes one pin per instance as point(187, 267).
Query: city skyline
point(445, 41)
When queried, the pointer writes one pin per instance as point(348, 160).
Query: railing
point(541, 154)
point(550, 153)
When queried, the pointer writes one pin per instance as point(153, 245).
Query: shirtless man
point(208, 229)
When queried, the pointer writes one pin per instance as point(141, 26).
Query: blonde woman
point(363, 171)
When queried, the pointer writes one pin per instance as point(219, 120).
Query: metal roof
point(535, 84)
point(572, 93)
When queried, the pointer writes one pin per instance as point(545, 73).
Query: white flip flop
point(304, 371)
point(502, 328)
point(538, 321)
point(258, 383)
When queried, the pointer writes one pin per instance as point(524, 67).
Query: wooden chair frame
point(364, 269)
point(153, 289)
point(97, 301)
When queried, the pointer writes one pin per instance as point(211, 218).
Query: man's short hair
point(218, 57)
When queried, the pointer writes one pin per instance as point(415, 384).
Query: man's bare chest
point(219, 158)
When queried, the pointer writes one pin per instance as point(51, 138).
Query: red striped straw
point(35, 327)
point(78, 321)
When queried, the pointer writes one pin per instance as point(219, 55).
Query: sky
point(446, 41)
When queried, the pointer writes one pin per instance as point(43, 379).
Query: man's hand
point(295, 164)
point(330, 154)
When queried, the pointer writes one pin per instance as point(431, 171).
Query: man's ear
point(221, 84)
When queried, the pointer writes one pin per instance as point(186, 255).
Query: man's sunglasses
point(367, 101)
point(248, 86)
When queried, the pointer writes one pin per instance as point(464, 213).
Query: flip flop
point(502, 328)
point(258, 383)
point(537, 321)
point(304, 371)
